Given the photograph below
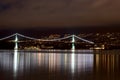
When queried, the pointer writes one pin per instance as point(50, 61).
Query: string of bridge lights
point(58, 39)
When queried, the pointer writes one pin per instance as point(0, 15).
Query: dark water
point(60, 65)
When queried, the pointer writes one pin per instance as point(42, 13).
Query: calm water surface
point(60, 65)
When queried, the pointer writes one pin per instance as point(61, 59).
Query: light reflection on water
point(15, 62)
point(67, 66)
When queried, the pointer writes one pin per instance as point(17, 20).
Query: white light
point(73, 62)
point(73, 47)
point(16, 38)
point(73, 55)
point(73, 41)
point(16, 42)
point(15, 63)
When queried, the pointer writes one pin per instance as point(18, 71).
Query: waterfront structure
point(71, 37)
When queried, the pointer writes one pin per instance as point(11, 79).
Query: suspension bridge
point(72, 37)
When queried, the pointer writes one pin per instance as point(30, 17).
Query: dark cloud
point(31, 13)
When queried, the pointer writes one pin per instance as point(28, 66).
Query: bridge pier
point(16, 42)
point(73, 42)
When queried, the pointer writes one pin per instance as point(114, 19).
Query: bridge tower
point(73, 42)
point(16, 42)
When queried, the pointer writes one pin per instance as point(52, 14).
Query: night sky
point(66, 15)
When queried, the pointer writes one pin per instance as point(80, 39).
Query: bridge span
point(72, 37)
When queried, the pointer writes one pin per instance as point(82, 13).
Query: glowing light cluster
point(73, 42)
point(16, 42)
